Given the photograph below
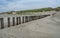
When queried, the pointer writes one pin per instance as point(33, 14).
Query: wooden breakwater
point(17, 19)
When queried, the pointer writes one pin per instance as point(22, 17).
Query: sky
point(15, 5)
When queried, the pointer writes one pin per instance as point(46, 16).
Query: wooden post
point(23, 19)
point(8, 22)
point(32, 18)
point(39, 17)
point(13, 21)
point(19, 20)
point(29, 18)
point(26, 19)
point(2, 23)
point(35, 17)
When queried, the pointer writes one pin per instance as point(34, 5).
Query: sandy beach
point(42, 28)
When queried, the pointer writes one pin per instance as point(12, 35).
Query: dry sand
point(42, 28)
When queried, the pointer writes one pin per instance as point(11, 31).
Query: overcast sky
point(9, 5)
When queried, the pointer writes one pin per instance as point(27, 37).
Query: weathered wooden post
point(26, 19)
point(17, 21)
point(8, 22)
point(2, 23)
point(35, 17)
point(32, 17)
point(23, 19)
point(29, 18)
point(13, 21)
point(39, 17)
point(42, 16)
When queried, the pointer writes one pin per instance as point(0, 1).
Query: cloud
point(9, 5)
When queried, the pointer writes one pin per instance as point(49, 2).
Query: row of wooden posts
point(18, 20)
